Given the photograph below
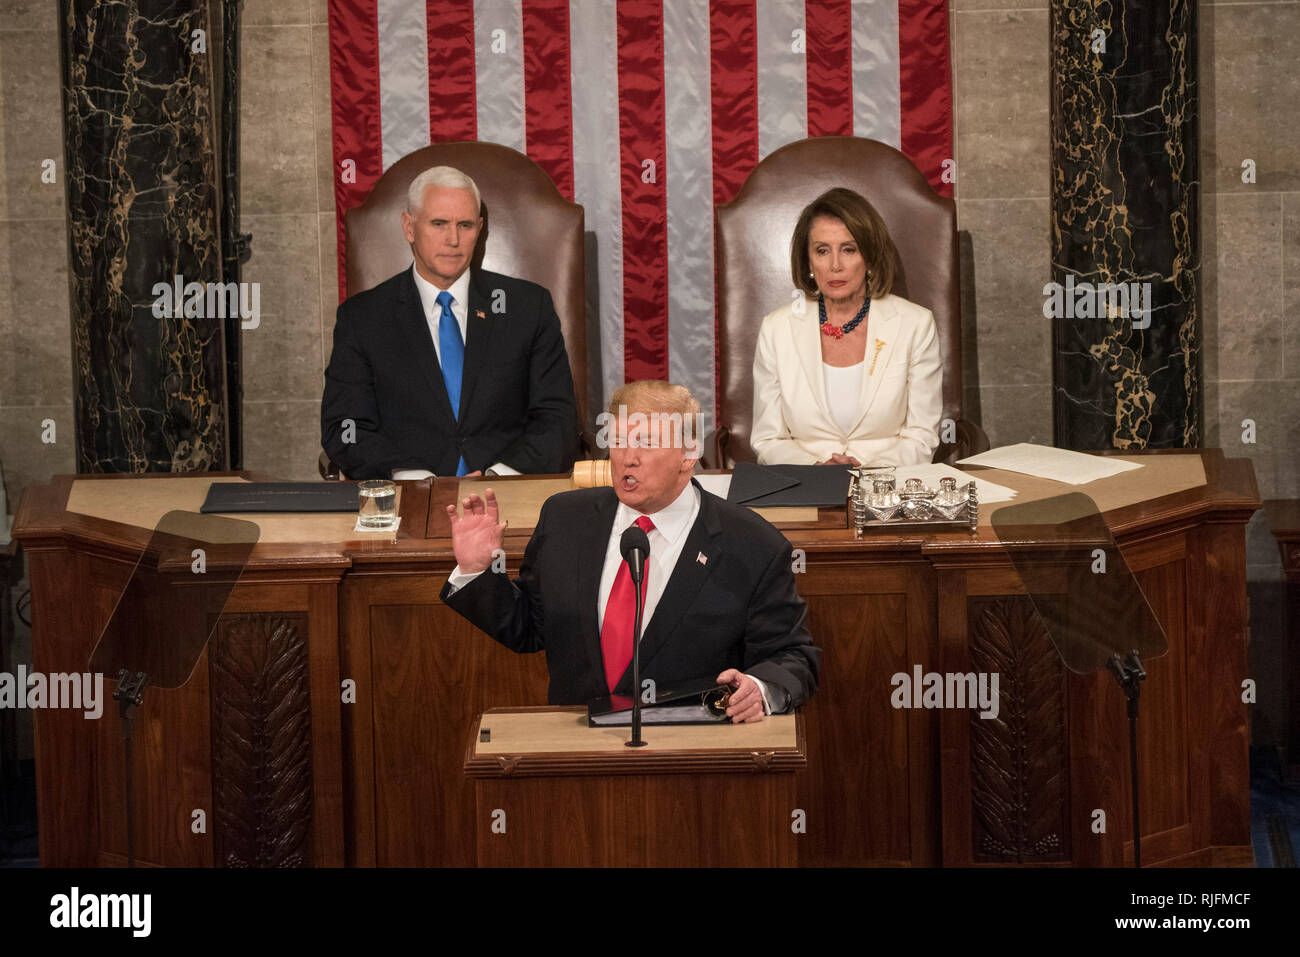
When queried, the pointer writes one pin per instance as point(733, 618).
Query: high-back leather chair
point(753, 267)
point(530, 231)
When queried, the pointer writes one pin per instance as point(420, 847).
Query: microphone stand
point(1130, 673)
point(638, 576)
point(129, 695)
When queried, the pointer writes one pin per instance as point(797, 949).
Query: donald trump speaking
point(720, 598)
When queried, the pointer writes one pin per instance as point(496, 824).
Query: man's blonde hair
point(672, 410)
point(654, 395)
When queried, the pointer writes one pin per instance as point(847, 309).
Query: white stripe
point(875, 71)
point(689, 198)
point(499, 71)
point(782, 75)
point(593, 53)
point(403, 78)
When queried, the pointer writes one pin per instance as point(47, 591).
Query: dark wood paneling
point(695, 820)
point(1219, 722)
point(171, 768)
point(424, 699)
point(261, 741)
point(68, 785)
point(423, 676)
point(1019, 783)
point(860, 776)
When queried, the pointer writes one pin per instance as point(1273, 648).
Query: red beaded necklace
point(839, 332)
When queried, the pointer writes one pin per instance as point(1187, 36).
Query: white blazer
point(900, 401)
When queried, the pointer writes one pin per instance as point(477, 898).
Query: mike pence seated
point(445, 369)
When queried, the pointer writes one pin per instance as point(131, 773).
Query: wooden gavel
point(592, 473)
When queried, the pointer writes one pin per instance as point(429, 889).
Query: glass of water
point(378, 503)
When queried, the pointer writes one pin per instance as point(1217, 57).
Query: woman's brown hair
point(864, 225)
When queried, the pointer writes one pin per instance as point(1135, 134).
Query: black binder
point(789, 486)
point(703, 701)
point(281, 497)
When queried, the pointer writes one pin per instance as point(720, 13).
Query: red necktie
point(620, 612)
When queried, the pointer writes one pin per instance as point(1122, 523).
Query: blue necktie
point(451, 348)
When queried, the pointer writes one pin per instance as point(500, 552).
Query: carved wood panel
point(261, 741)
point(1018, 760)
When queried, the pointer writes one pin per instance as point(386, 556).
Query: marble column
point(144, 208)
point(1125, 197)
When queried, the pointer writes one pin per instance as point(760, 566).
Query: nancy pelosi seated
point(847, 372)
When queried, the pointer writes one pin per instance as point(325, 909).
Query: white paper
point(930, 474)
point(1060, 465)
point(719, 485)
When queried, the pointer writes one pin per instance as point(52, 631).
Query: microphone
point(635, 546)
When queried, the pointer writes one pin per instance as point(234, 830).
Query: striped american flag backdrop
point(648, 113)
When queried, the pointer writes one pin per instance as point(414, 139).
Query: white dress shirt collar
point(433, 312)
point(672, 521)
point(429, 292)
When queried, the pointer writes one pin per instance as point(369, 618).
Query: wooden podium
point(551, 791)
point(365, 686)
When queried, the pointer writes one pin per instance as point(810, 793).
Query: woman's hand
point(838, 459)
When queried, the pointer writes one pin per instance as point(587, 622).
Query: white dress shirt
point(672, 526)
point(433, 316)
point(433, 312)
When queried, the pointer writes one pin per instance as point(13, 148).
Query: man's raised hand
point(478, 534)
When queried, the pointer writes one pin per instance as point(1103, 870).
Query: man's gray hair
point(447, 176)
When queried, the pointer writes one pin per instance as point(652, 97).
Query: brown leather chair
point(530, 231)
point(753, 266)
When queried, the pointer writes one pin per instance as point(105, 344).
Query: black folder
point(789, 486)
point(281, 497)
point(692, 702)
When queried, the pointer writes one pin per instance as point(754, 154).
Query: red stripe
point(925, 87)
point(453, 110)
point(733, 77)
point(645, 234)
point(548, 93)
point(733, 81)
point(828, 32)
point(354, 92)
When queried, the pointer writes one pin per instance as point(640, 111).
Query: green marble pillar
point(141, 141)
point(1126, 257)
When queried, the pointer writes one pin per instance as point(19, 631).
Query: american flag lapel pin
point(702, 558)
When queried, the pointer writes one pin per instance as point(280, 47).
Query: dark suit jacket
point(738, 609)
point(516, 400)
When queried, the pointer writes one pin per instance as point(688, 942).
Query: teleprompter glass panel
point(1079, 583)
point(177, 592)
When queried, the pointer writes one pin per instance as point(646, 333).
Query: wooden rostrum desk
point(383, 781)
point(551, 791)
